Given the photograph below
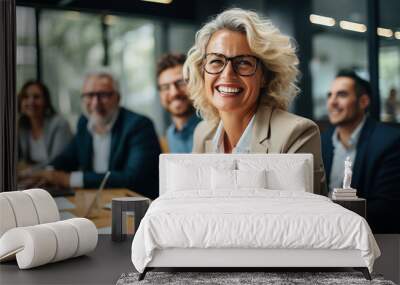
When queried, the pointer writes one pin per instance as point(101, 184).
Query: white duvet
point(253, 218)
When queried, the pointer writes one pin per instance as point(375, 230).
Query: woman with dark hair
point(42, 134)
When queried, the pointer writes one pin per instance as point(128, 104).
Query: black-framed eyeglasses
point(179, 84)
point(99, 95)
point(244, 65)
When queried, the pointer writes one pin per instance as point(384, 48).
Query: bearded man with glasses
point(109, 138)
point(242, 73)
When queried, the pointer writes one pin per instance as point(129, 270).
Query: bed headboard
point(280, 162)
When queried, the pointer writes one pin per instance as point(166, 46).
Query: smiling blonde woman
point(242, 76)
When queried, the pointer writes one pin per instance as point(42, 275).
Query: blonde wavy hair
point(276, 52)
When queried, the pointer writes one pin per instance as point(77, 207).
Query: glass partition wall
point(132, 60)
point(61, 47)
point(73, 43)
point(389, 60)
point(339, 42)
point(26, 45)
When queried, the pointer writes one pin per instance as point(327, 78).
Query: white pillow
point(280, 174)
point(293, 180)
point(251, 178)
point(223, 179)
point(186, 175)
point(236, 179)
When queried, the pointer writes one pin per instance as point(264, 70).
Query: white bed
point(247, 211)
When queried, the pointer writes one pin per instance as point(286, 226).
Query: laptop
point(94, 204)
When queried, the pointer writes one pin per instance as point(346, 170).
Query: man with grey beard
point(108, 138)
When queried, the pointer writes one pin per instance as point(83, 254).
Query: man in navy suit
point(373, 147)
point(108, 138)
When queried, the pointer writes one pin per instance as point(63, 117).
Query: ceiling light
point(397, 35)
point(351, 26)
point(322, 20)
point(159, 1)
point(388, 33)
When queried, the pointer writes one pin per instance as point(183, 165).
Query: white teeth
point(225, 89)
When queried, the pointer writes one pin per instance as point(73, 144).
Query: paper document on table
point(63, 203)
point(108, 206)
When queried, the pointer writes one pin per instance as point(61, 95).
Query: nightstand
point(121, 208)
point(358, 205)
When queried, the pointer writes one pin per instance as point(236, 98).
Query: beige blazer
point(274, 131)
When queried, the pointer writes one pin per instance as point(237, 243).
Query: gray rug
point(230, 278)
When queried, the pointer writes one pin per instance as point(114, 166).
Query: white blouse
point(243, 145)
point(37, 149)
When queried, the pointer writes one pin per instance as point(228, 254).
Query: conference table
point(99, 215)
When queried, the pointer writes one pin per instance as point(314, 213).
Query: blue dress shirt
point(182, 141)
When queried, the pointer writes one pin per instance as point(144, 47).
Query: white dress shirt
point(243, 145)
point(340, 153)
point(101, 152)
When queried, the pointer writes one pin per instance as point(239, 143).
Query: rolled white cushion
point(87, 235)
point(23, 208)
point(40, 244)
point(67, 239)
point(7, 218)
point(45, 205)
point(33, 246)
